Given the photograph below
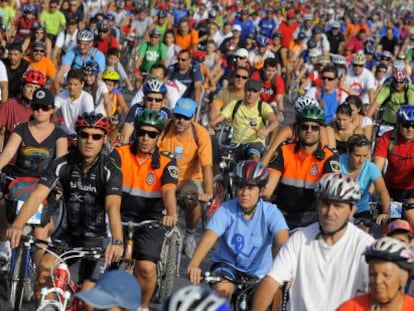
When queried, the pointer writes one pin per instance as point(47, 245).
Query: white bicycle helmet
point(338, 187)
point(358, 59)
point(305, 101)
point(154, 85)
point(390, 249)
point(195, 298)
point(399, 71)
point(338, 59)
point(85, 35)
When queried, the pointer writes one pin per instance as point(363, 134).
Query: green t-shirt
point(152, 55)
point(54, 22)
point(394, 103)
point(9, 14)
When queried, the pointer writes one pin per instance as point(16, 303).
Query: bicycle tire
point(169, 272)
point(17, 279)
point(29, 282)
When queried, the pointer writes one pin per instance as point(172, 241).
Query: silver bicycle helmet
point(338, 187)
point(338, 59)
point(305, 101)
point(85, 35)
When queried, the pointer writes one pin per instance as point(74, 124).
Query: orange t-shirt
point(191, 156)
point(361, 303)
point(45, 65)
point(187, 41)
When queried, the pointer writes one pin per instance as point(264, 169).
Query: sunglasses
point(356, 65)
point(328, 79)
point(151, 99)
point(181, 117)
point(407, 125)
point(38, 51)
point(239, 57)
point(85, 135)
point(41, 107)
point(150, 134)
point(252, 90)
point(306, 127)
point(241, 77)
point(182, 59)
point(400, 82)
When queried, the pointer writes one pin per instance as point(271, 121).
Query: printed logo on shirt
point(149, 180)
point(314, 170)
point(335, 166)
point(173, 170)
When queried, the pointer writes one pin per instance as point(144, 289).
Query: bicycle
point(170, 256)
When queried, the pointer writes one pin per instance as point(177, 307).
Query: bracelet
point(117, 242)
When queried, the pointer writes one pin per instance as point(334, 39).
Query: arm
point(170, 204)
point(64, 68)
point(197, 92)
point(274, 177)
point(281, 136)
point(371, 96)
point(127, 131)
point(379, 162)
point(217, 120)
point(113, 208)
point(372, 109)
point(4, 86)
point(367, 131)
point(10, 150)
point(107, 104)
point(207, 242)
point(381, 189)
point(280, 238)
point(265, 293)
point(61, 147)
point(123, 107)
point(208, 183)
point(271, 127)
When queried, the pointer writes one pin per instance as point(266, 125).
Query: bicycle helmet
point(323, 60)
point(154, 85)
point(90, 68)
point(317, 29)
point(338, 59)
point(311, 113)
point(150, 117)
point(338, 187)
point(401, 56)
point(110, 17)
point(29, 8)
point(93, 120)
point(312, 44)
point(399, 225)
point(399, 71)
point(369, 49)
point(35, 77)
point(162, 13)
point(111, 75)
point(199, 56)
point(386, 54)
point(358, 59)
point(405, 113)
point(315, 53)
point(38, 26)
point(262, 40)
point(393, 250)
point(251, 173)
point(305, 101)
point(195, 298)
point(102, 25)
point(155, 32)
point(85, 35)
point(120, 4)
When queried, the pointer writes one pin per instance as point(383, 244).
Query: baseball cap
point(43, 97)
point(185, 107)
point(254, 85)
point(242, 53)
point(236, 27)
point(336, 24)
point(39, 44)
point(115, 288)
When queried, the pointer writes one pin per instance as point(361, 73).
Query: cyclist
point(105, 40)
point(327, 253)
point(397, 148)
point(193, 297)
point(390, 263)
point(244, 229)
point(297, 167)
point(191, 144)
point(401, 230)
point(149, 184)
point(240, 113)
point(92, 188)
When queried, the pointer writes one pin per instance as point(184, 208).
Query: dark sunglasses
point(239, 57)
point(356, 65)
point(400, 82)
point(85, 135)
point(182, 59)
point(382, 71)
point(180, 117)
point(241, 77)
point(41, 107)
point(151, 99)
point(328, 79)
point(142, 133)
point(306, 127)
point(38, 51)
point(407, 125)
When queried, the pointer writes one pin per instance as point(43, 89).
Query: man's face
point(75, 87)
point(400, 85)
point(251, 95)
point(29, 89)
point(90, 142)
point(309, 133)
point(183, 61)
point(269, 72)
point(406, 130)
point(37, 54)
point(15, 57)
point(247, 196)
point(84, 47)
point(181, 123)
point(154, 101)
point(147, 138)
point(53, 7)
point(240, 79)
point(358, 69)
point(329, 81)
point(333, 214)
point(154, 39)
point(184, 27)
point(112, 60)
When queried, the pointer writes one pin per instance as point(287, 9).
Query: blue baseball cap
point(115, 288)
point(185, 107)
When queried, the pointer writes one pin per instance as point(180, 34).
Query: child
point(113, 63)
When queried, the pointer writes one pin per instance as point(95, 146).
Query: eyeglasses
point(252, 90)
point(407, 125)
point(241, 77)
point(386, 58)
point(307, 127)
point(240, 57)
point(41, 107)
point(181, 117)
point(183, 59)
point(38, 51)
point(151, 99)
point(357, 65)
point(328, 79)
point(150, 134)
point(400, 82)
point(85, 135)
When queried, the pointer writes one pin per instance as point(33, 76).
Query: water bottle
point(128, 250)
point(178, 152)
point(61, 276)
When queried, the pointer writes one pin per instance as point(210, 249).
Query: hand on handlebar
point(169, 221)
point(113, 253)
point(205, 197)
point(261, 133)
point(194, 275)
point(14, 234)
point(382, 219)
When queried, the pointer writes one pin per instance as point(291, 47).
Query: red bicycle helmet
point(35, 77)
point(93, 120)
point(251, 173)
point(399, 225)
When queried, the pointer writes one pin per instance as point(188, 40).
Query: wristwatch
point(117, 242)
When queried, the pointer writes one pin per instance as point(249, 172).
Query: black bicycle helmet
point(251, 173)
point(93, 120)
point(150, 117)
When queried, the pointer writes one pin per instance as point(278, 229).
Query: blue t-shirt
point(368, 174)
point(246, 244)
point(330, 104)
point(74, 59)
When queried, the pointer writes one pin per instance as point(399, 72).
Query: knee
point(224, 290)
point(145, 269)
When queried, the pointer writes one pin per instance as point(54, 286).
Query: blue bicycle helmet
point(405, 113)
point(154, 85)
point(90, 68)
point(262, 40)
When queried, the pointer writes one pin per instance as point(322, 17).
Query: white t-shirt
point(322, 276)
point(3, 74)
point(72, 109)
point(65, 40)
point(99, 99)
point(359, 85)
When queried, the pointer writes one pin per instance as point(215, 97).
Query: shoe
point(143, 309)
point(5, 251)
point(190, 245)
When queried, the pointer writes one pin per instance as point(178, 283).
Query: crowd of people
point(68, 70)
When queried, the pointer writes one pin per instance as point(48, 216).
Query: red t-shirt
point(316, 78)
point(104, 45)
point(270, 88)
point(287, 32)
point(400, 162)
point(361, 303)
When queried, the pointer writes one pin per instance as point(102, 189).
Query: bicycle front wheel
point(17, 274)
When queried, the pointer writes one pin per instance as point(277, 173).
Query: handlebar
point(212, 278)
point(231, 146)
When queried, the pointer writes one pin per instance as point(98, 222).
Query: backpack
point(94, 51)
point(259, 107)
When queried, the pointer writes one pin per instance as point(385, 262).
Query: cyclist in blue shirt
point(244, 228)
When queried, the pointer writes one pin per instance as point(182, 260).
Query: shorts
point(148, 243)
point(245, 151)
point(191, 187)
point(229, 272)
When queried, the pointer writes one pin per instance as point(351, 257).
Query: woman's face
point(359, 155)
point(385, 280)
point(355, 111)
point(90, 79)
point(210, 48)
point(343, 121)
point(169, 38)
point(39, 34)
